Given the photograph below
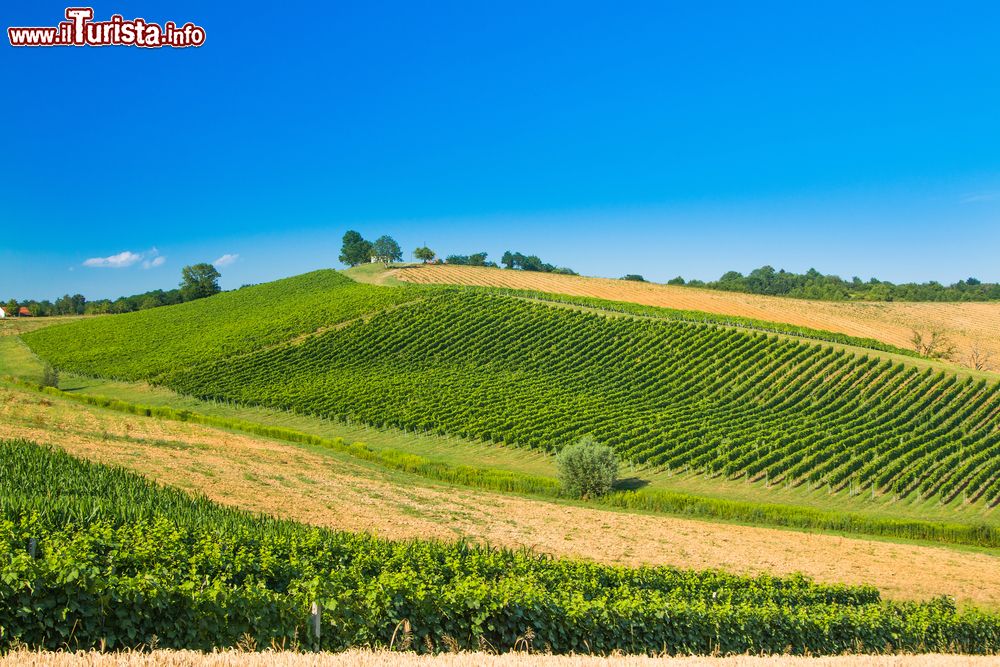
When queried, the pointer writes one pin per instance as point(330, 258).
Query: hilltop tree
point(386, 250)
point(475, 259)
point(356, 250)
point(199, 281)
point(424, 254)
point(517, 260)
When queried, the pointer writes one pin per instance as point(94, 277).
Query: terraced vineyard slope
point(968, 324)
point(671, 394)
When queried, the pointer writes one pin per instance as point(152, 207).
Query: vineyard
point(92, 556)
point(668, 394)
point(671, 394)
point(969, 325)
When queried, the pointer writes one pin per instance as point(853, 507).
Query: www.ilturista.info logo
point(79, 29)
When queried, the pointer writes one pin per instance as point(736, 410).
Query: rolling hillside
point(672, 394)
point(150, 342)
point(967, 324)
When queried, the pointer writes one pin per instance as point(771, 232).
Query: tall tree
point(386, 250)
point(356, 250)
point(198, 281)
point(424, 254)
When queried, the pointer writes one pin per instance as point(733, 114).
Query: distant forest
point(77, 304)
point(815, 285)
point(197, 282)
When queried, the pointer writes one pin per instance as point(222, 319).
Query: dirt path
point(967, 324)
point(294, 482)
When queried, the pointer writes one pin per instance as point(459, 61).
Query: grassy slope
point(146, 343)
point(458, 451)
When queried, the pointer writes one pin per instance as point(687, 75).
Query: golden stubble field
point(967, 324)
point(385, 659)
point(334, 491)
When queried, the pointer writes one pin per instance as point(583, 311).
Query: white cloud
point(972, 197)
point(150, 260)
point(119, 261)
point(226, 260)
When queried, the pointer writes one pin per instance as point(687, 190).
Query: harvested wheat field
point(317, 487)
point(385, 659)
point(967, 324)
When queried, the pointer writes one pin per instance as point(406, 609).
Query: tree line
point(827, 287)
point(357, 250)
point(197, 282)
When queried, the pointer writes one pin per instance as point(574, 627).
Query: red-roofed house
point(23, 312)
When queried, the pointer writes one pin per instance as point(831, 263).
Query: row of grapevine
point(672, 394)
point(92, 556)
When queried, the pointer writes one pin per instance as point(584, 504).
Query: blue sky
point(656, 138)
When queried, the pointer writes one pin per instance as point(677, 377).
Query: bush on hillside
point(587, 469)
point(50, 376)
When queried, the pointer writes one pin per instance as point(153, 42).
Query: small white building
point(3, 313)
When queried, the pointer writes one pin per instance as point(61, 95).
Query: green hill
point(147, 343)
point(674, 394)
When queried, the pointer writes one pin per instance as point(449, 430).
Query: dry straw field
point(966, 324)
point(385, 659)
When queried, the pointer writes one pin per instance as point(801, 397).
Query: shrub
point(587, 469)
point(50, 376)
